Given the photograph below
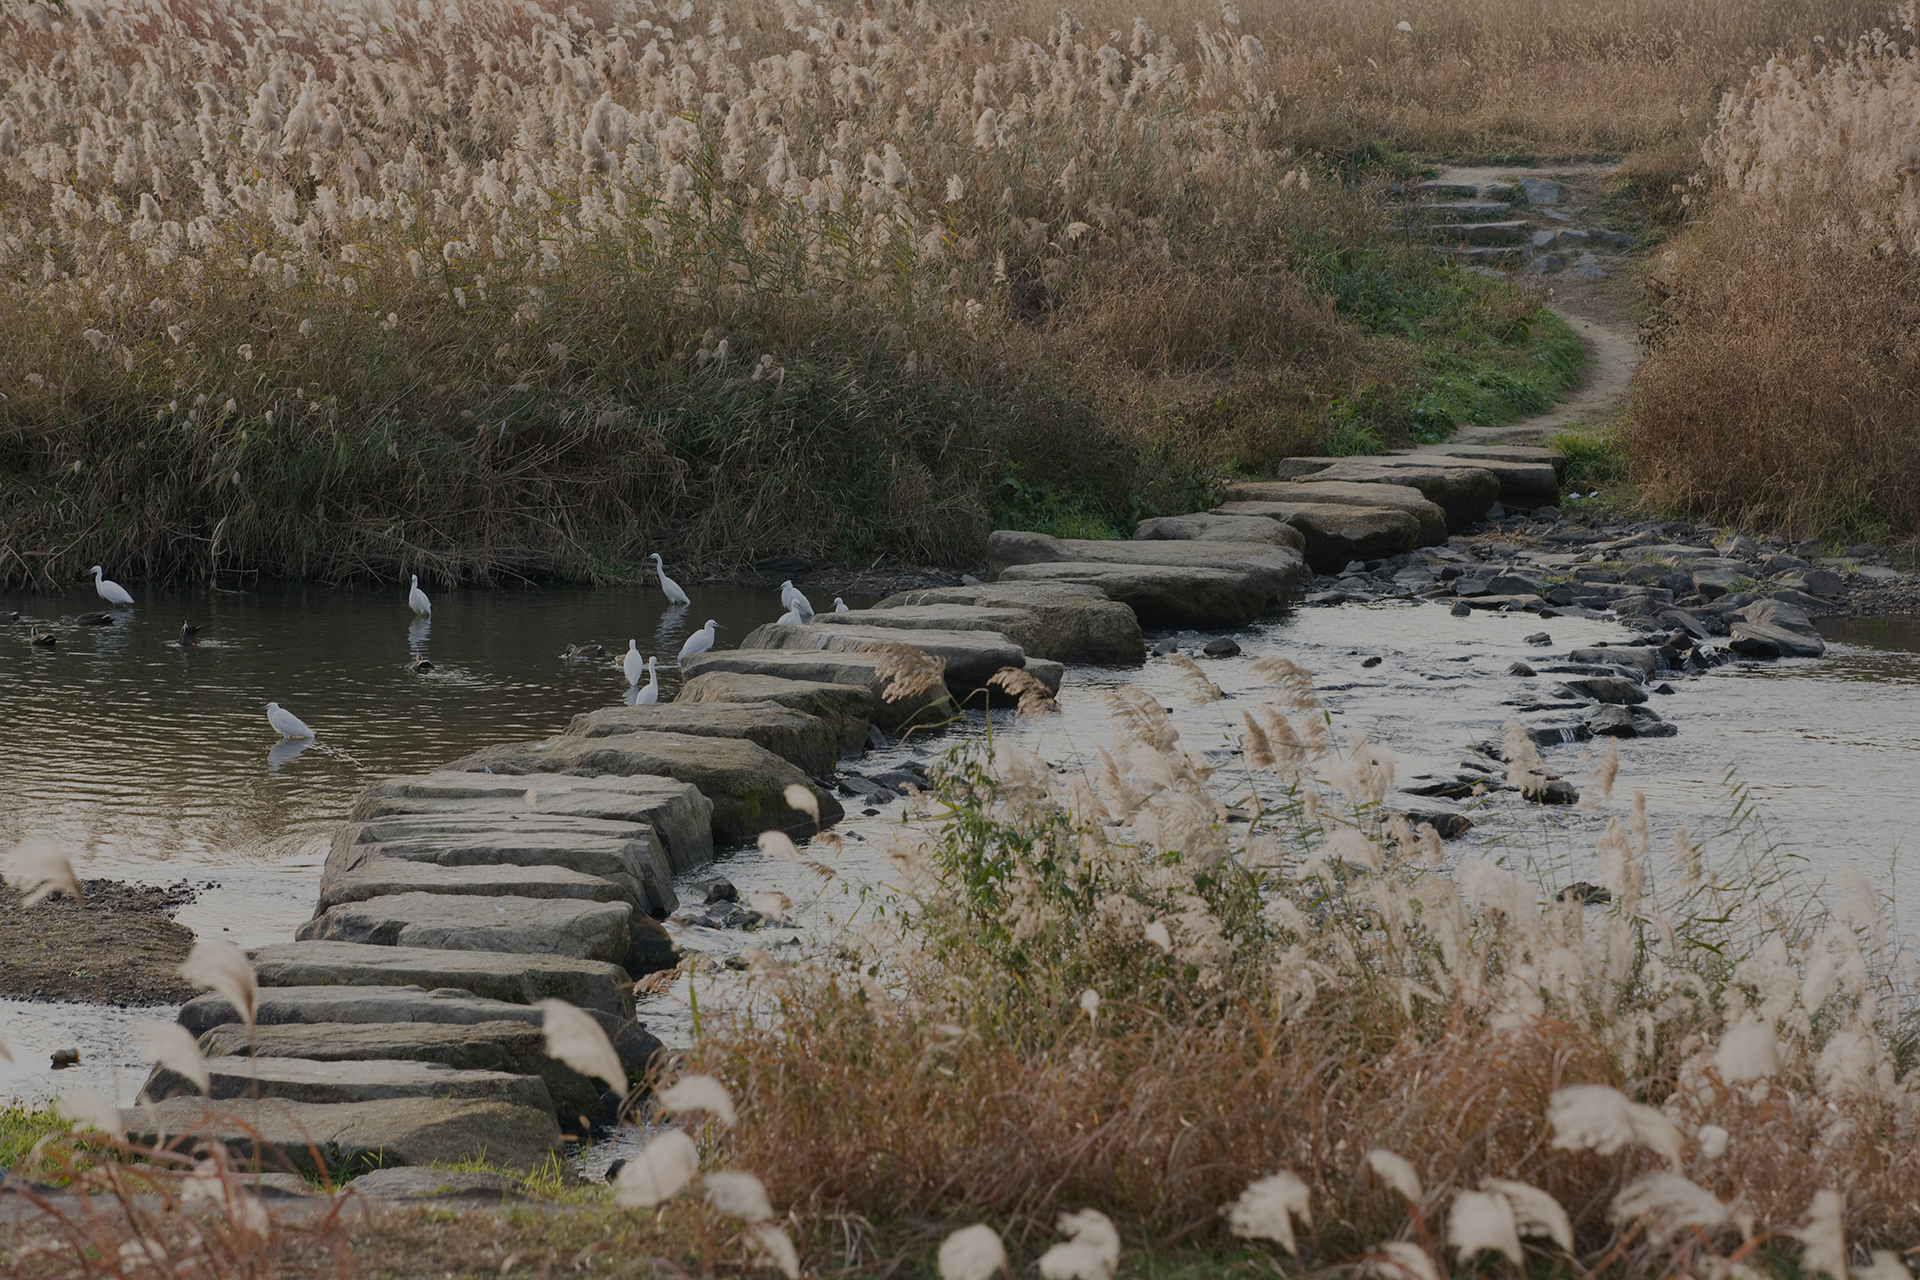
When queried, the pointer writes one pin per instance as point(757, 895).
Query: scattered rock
point(1165, 647)
point(1612, 689)
point(1557, 791)
point(1372, 662)
point(1461, 609)
point(1585, 894)
point(1222, 647)
point(1539, 639)
point(1521, 669)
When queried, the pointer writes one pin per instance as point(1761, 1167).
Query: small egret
point(651, 693)
point(791, 597)
point(189, 635)
point(417, 599)
point(788, 616)
point(289, 724)
point(699, 642)
point(633, 663)
point(668, 587)
point(420, 666)
point(840, 606)
point(585, 652)
point(111, 592)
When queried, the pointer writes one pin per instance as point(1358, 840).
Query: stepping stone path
point(1524, 224)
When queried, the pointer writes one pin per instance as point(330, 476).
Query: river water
point(153, 763)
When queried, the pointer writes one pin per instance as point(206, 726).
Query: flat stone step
point(344, 1138)
point(745, 782)
point(1464, 210)
point(1514, 232)
point(902, 623)
point(972, 657)
point(805, 741)
point(1072, 622)
point(1504, 453)
point(511, 846)
point(1164, 595)
point(548, 926)
point(1339, 533)
point(313, 1080)
point(277, 1005)
point(1440, 189)
point(860, 670)
point(365, 873)
point(1433, 520)
point(1216, 526)
point(1464, 492)
point(513, 977)
point(844, 708)
point(679, 815)
point(1279, 570)
point(512, 1047)
point(1482, 253)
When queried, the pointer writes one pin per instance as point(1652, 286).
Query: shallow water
point(150, 763)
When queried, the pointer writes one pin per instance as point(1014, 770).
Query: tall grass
point(1113, 992)
point(1782, 383)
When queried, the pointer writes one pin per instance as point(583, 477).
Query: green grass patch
point(22, 1125)
point(1594, 461)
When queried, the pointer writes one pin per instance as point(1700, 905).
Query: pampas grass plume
point(1747, 1052)
point(38, 870)
point(1403, 1260)
point(1594, 1117)
point(972, 1253)
point(90, 1109)
point(174, 1047)
point(1670, 1201)
point(1886, 1265)
point(775, 1243)
point(1823, 1236)
point(1481, 1221)
point(658, 1173)
point(740, 1194)
point(1266, 1210)
point(219, 966)
point(1397, 1172)
point(800, 798)
point(777, 843)
point(1091, 1252)
point(1535, 1213)
point(573, 1037)
point(697, 1093)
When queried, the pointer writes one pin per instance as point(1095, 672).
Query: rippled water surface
point(152, 763)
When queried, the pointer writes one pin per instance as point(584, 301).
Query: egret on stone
point(788, 616)
point(791, 597)
point(289, 724)
point(699, 642)
point(651, 693)
point(668, 587)
point(417, 599)
point(634, 663)
point(111, 592)
point(840, 606)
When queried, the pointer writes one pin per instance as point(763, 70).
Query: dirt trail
point(1589, 285)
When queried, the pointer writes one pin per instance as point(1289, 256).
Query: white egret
point(651, 693)
point(840, 606)
point(788, 616)
point(289, 724)
point(111, 592)
point(791, 597)
point(699, 642)
point(668, 587)
point(417, 599)
point(633, 663)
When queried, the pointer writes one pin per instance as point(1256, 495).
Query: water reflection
point(285, 751)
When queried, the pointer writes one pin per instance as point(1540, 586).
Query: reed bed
point(1781, 387)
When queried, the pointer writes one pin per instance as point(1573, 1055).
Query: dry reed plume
point(1781, 387)
point(1105, 998)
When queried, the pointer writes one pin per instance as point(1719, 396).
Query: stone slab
point(1280, 571)
point(412, 1182)
point(1073, 622)
point(745, 782)
point(1338, 534)
point(1395, 497)
point(1532, 454)
point(628, 854)
point(314, 1080)
point(1161, 596)
point(680, 816)
point(278, 1005)
point(514, 1047)
point(844, 708)
point(861, 670)
point(545, 926)
point(1219, 526)
point(1011, 623)
point(971, 656)
point(805, 741)
point(515, 978)
point(306, 1137)
point(1463, 492)
point(364, 873)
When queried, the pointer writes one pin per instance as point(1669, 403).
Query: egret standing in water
point(650, 694)
point(111, 592)
point(840, 606)
point(633, 663)
point(699, 642)
point(289, 724)
point(417, 599)
point(796, 603)
point(668, 587)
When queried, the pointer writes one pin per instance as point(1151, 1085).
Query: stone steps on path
point(511, 977)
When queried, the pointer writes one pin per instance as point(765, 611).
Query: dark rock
point(1539, 638)
point(1612, 689)
point(1663, 688)
point(1561, 735)
point(1546, 513)
point(650, 948)
point(1446, 825)
point(876, 736)
point(722, 890)
point(1562, 596)
point(1461, 609)
point(1372, 662)
point(1470, 587)
point(1165, 647)
point(1521, 669)
point(1222, 647)
point(873, 792)
point(1582, 892)
point(1557, 791)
